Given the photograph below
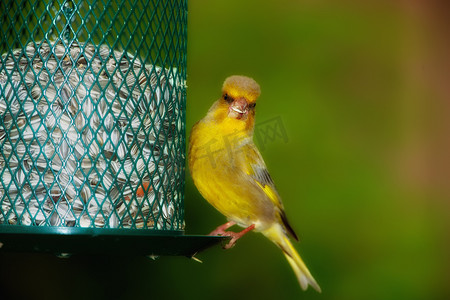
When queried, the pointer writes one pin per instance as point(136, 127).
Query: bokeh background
point(361, 90)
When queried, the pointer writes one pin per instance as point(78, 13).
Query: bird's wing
point(255, 167)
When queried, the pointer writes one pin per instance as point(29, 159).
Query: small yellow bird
point(230, 173)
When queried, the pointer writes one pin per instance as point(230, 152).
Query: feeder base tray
point(66, 241)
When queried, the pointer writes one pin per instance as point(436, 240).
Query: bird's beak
point(238, 109)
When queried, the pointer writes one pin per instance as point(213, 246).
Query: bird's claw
point(221, 231)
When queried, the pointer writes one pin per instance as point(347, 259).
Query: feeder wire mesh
point(92, 113)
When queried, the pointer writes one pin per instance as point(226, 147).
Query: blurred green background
point(362, 90)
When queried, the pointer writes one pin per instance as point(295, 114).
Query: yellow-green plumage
point(230, 173)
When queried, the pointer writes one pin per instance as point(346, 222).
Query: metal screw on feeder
point(92, 126)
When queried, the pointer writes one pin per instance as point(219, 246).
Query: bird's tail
point(277, 235)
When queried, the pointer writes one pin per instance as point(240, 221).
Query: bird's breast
point(214, 144)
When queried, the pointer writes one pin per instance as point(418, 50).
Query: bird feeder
point(92, 127)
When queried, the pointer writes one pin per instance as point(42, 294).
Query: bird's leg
point(221, 230)
point(236, 235)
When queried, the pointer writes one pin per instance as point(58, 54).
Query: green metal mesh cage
point(92, 114)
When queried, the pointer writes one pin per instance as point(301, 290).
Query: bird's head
point(239, 94)
point(238, 100)
point(235, 109)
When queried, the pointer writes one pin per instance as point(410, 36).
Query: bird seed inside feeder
point(89, 137)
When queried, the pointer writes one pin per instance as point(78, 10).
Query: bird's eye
point(252, 105)
point(227, 98)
